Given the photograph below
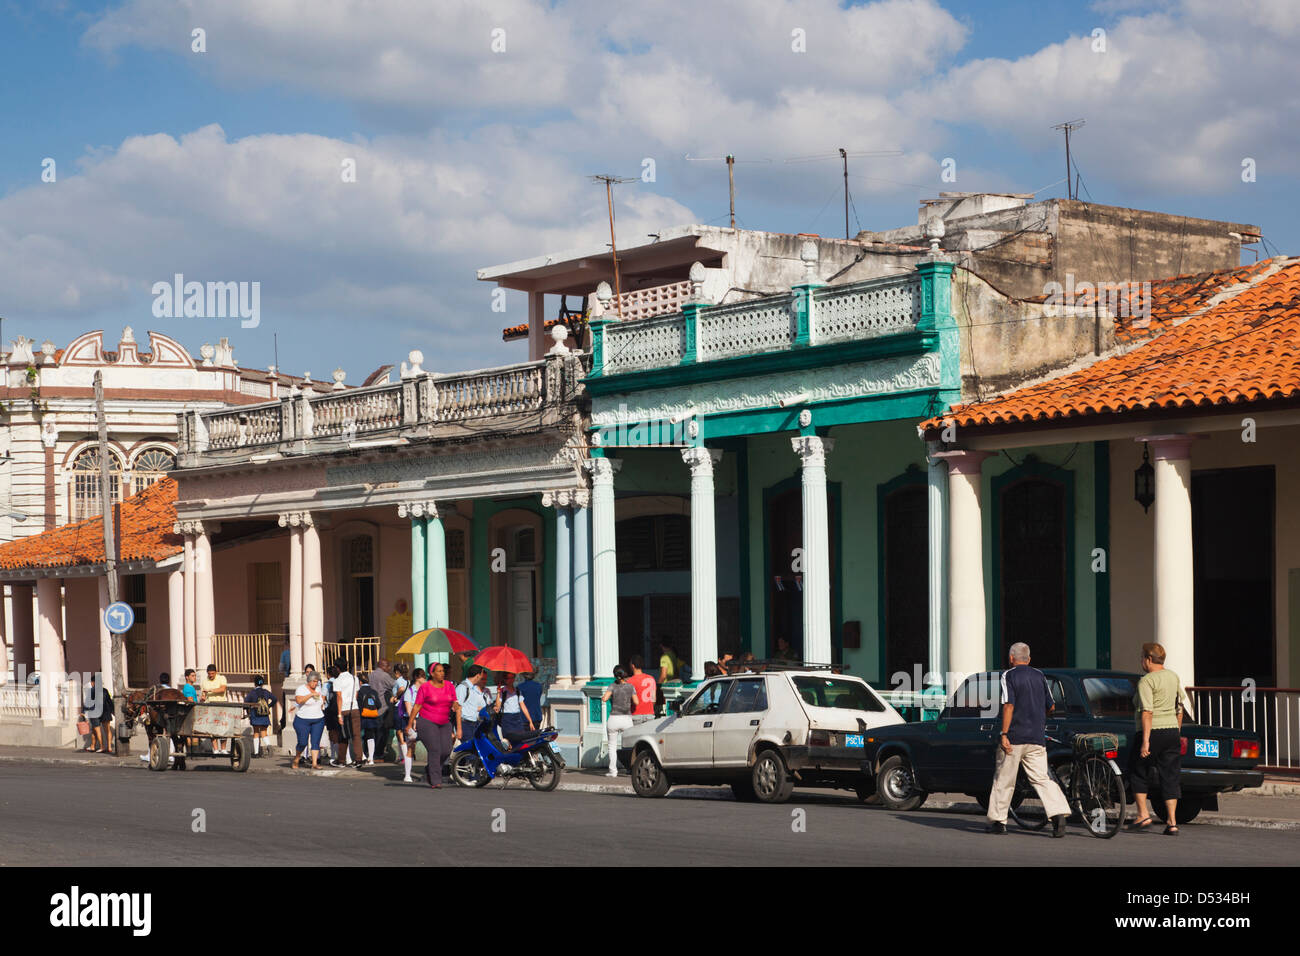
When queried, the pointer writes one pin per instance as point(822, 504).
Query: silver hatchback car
point(762, 734)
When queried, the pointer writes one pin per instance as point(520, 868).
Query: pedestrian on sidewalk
point(369, 703)
point(345, 696)
point(383, 681)
point(516, 718)
point(647, 692)
point(1026, 702)
point(622, 696)
point(338, 751)
point(406, 737)
point(531, 692)
point(309, 719)
point(431, 719)
point(259, 717)
point(472, 698)
point(1155, 758)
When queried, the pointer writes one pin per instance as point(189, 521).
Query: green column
point(417, 576)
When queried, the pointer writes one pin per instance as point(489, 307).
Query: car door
point(688, 740)
point(962, 748)
point(739, 721)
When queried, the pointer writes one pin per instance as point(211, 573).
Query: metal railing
point(1271, 712)
point(360, 653)
point(243, 654)
point(384, 410)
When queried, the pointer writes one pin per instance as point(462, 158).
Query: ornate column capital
point(562, 498)
point(602, 470)
point(963, 461)
point(812, 449)
point(195, 527)
point(701, 460)
point(296, 519)
point(581, 498)
point(417, 509)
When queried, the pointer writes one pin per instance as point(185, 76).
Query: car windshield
point(1110, 696)
point(836, 692)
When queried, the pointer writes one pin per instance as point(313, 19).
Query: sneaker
point(996, 827)
point(407, 780)
point(1058, 825)
point(334, 763)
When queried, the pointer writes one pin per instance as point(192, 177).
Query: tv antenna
point(843, 154)
point(610, 182)
point(1069, 127)
point(731, 161)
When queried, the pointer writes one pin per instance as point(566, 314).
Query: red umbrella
point(505, 659)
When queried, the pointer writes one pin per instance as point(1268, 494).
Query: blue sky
point(224, 165)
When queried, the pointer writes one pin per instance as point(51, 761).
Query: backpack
point(262, 706)
point(368, 701)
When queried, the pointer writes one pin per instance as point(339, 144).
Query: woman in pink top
point(431, 716)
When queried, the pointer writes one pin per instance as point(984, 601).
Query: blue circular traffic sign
point(119, 617)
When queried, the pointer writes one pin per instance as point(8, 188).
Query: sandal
point(1171, 830)
point(1143, 824)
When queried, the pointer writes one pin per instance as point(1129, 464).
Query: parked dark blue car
point(955, 753)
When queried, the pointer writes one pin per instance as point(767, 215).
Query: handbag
point(83, 726)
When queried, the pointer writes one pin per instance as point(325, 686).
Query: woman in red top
point(431, 716)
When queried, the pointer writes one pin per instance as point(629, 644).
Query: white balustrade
point(746, 328)
point(865, 310)
point(496, 391)
point(349, 413)
point(649, 343)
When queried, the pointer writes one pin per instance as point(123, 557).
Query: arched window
point(86, 502)
point(150, 465)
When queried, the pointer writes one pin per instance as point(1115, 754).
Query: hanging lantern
point(1144, 481)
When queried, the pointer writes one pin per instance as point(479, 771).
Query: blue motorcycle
point(485, 756)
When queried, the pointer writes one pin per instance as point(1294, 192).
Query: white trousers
point(1033, 757)
point(615, 726)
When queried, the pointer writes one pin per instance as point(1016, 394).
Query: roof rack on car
point(784, 665)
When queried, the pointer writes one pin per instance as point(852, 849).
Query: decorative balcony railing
point(807, 315)
point(383, 411)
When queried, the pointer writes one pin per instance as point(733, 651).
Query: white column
point(704, 559)
point(297, 651)
point(204, 599)
point(49, 604)
point(537, 338)
point(106, 637)
point(966, 606)
point(1175, 628)
point(559, 500)
point(937, 528)
point(176, 627)
point(581, 555)
point(604, 570)
point(812, 452)
point(191, 655)
point(313, 588)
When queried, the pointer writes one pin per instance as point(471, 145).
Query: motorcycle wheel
point(467, 770)
point(546, 777)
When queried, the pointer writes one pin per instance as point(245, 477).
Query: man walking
point(382, 680)
point(1026, 702)
point(345, 695)
point(646, 692)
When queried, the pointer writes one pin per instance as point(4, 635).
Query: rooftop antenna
point(275, 353)
point(731, 161)
point(1069, 127)
point(610, 182)
point(844, 155)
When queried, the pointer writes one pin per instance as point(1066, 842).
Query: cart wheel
point(241, 754)
point(159, 749)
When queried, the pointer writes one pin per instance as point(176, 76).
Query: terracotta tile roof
point(575, 324)
point(1216, 339)
point(143, 525)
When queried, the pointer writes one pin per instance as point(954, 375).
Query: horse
point(140, 706)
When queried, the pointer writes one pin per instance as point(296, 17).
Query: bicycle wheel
point(1098, 793)
point(1027, 800)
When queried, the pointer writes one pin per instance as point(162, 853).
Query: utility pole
point(1067, 128)
point(610, 182)
point(845, 156)
point(110, 554)
point(731, 186)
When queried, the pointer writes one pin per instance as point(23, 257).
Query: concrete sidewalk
point(1275, 805)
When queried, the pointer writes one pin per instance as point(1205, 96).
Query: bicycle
point(1094, 788)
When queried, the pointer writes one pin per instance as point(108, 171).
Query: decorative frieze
point(296, 519)
point(417, 509)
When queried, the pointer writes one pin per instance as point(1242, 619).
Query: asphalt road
point(71, 815)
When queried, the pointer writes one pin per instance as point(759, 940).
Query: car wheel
point(648, 777)
point(771, 781)
point(896, 785)
point(1188, 808)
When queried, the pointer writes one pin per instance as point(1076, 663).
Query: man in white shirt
point(345, 698)
point(472, 698)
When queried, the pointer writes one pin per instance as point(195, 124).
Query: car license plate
point(1206, 748)
point(853, 740)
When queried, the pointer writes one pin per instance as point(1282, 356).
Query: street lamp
point(1144, 485)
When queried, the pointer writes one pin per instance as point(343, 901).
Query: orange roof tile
point(143, 524)
point(1216, 339)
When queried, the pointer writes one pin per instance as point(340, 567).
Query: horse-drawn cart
point(181, 729)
